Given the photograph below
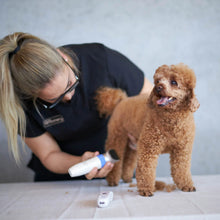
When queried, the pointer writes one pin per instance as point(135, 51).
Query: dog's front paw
point(145, 192)
point(188, 189)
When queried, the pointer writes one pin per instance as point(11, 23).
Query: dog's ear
point(193, 102)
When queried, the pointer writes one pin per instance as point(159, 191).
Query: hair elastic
point(16, 49)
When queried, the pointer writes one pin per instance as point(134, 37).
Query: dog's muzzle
point(165, 100)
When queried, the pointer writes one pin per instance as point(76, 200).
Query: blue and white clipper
point(98, 161)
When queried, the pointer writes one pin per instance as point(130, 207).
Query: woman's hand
point(95, 173)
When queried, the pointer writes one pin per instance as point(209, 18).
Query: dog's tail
point(107, 98)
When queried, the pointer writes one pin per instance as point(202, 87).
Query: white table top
point(78, 199)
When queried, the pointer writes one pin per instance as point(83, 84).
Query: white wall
point(150, 33)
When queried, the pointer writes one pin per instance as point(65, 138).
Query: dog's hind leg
point(118, 142)
point(129, 164)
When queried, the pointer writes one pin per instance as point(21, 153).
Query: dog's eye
point(173, 82)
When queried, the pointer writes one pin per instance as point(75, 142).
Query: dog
point(162, 122)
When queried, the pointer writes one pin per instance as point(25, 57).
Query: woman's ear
point(63, 55)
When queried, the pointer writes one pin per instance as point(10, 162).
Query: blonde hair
point(27, 64)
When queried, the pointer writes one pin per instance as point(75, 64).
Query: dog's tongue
point(162, 101)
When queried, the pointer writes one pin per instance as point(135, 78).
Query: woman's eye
point(173, 82)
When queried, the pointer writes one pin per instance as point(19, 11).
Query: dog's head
point(174, 88)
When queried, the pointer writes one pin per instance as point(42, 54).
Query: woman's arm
point(147, 86)
point(50, 154)
point(57, 161)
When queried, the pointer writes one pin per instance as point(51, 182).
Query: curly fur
point(107, 98)
point(162, 122)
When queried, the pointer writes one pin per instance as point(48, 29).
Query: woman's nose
point(68, 96)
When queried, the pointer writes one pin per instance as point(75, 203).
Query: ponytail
point(12, 113)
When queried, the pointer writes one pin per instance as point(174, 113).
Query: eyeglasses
point(52, 105)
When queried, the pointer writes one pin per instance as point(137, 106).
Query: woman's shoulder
point(85, 47)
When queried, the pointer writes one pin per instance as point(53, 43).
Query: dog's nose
point(159, 88)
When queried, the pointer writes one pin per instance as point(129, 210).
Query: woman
point(47, 97)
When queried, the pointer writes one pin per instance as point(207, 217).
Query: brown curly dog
point(161, 121)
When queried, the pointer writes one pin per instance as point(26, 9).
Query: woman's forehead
point(57, 85)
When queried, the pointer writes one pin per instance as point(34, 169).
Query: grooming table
point(78, 200)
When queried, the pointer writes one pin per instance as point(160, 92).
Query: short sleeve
point(33, 129)
point(125, 74)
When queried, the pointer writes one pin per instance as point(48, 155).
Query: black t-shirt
point(77, 126)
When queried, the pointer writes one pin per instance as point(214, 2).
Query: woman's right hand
point(88, 155)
